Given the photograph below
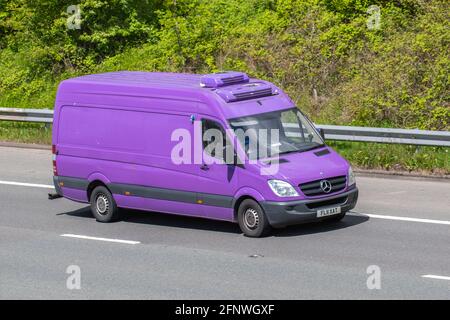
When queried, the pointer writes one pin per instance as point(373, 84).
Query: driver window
point(214, 139)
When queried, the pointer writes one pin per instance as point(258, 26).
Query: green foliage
point(320, 51)
point(41, 50)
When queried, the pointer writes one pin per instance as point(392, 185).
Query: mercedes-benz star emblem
point(325, 185)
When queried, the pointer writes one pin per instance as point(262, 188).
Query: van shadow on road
point(195, 223)
point(320, 227)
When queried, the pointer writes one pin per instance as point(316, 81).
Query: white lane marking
point(432, 276)
point(379, 216)
point(375, 216)
point(99, 239)
point(24, 184)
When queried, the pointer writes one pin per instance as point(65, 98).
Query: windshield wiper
point(303, 150)
point(314, 147)
point(290, 151)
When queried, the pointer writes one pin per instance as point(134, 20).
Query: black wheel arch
point(94, 184)
point(237, 202)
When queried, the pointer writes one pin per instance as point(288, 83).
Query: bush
point(320, 51)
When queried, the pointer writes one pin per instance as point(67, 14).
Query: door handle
point(204, 167)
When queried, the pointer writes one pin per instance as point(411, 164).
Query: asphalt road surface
point(400, 227)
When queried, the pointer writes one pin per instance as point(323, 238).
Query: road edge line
point(26, 184)
point(78, 236)
point(409, 219)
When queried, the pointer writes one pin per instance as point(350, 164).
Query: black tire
point(103, 206)
point(337, 217)
point(252, 219)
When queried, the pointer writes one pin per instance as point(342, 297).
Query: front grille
point(253, 94)
point(313, 188)
point(327, 203)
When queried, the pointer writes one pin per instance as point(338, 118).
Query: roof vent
point(221, 79)
point(246, 91)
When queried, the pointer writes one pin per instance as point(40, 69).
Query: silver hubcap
point(251, 218)
point(102, 204)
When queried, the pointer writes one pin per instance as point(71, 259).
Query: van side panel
point(132, 149)
point(75, 194)
point(101, 130)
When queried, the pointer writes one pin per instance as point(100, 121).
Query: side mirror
point(321, 132)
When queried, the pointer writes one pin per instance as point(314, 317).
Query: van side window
point(211, 132)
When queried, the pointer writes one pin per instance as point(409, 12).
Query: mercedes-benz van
point(138, 140)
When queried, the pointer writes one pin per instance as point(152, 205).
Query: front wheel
point(252, 219)
point(103, 206)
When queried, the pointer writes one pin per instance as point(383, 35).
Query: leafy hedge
point(320, 51)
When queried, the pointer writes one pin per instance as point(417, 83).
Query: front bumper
point(281, 214)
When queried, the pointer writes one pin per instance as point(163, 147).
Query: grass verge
point(25, 132)
point(393, 157)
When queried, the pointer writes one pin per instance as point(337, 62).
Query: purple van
point(116, 136)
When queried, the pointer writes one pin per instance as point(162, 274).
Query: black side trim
point(216, 200)
point(208, 199)
point(153, 193)
point(172, 195)
point(74, 183)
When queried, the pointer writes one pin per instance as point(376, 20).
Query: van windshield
point(275, 133)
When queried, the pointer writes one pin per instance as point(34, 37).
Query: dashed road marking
point(432, 276)
point(99, 239)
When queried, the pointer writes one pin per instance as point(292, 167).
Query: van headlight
point(351, 177)
point(282, 188)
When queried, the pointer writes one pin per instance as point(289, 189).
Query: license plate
point(328, 212)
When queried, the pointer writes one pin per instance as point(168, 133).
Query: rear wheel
point(103, 206)
point(252, 219)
